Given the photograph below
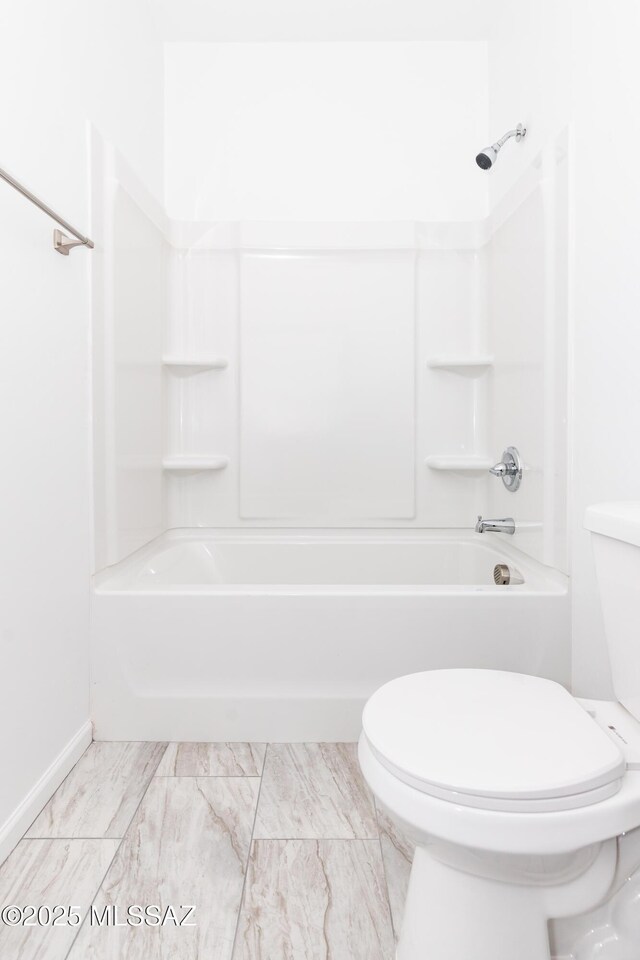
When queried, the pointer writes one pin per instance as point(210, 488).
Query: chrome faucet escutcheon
point(506, 525)
point(509, 469)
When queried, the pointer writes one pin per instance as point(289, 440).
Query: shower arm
point(518, 133)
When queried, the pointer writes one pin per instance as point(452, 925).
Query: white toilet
point(524, 802)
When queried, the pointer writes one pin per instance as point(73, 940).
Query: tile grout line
point(116, 852)
point(207, 776)
point(306, 839)
point(65, 839)
point(385, 874)
point(246, 870)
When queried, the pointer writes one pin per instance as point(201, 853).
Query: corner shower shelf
point(470, 464)
point(194, 464)
point(196, 363)
point(462, 364)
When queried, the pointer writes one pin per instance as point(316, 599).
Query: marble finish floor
point(278, 847)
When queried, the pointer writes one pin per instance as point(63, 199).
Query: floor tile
point(188, 845)
point(313, 791)
point(102, 792)
point(397, 854)
point(49, 873)
point(315, 900)
point(212, 760)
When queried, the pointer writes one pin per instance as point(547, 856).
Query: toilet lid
point(488, 738)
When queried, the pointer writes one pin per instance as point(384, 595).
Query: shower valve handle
point(509, 469)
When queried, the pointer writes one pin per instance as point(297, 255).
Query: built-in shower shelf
point(453, 462)
point(196, 363)
point(469, 365)
point(194, 464)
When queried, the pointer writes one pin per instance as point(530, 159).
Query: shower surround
point(342, 386)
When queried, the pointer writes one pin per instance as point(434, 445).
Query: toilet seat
point(492, 740)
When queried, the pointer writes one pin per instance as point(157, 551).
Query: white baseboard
point(208, 719)
point(25, 813)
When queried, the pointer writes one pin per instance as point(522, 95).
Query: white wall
point(530, 55)
point(606, 300)
point(250, 21)
point(58, 68)
point(325, 131)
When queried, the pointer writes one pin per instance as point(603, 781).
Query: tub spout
point(506, 525)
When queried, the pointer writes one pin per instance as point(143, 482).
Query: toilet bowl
point(523, 802)
point(508, 836)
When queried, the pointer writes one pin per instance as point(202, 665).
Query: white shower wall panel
point(327, 409)
point(138, 290)
point(203, 298)
point(518, 378)
point(327, 395)
point(452, 402)
point(528, 274)
point(129, 308)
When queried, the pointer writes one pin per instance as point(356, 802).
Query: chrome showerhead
point(487, 157)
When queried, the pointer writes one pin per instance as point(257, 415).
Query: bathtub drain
point(503, 575)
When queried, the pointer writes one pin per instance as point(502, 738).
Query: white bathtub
point(260, 635)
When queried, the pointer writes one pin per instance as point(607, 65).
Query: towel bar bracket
point(62, 243)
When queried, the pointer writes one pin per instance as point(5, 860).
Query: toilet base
point(459, 908)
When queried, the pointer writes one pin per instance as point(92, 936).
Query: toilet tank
point(615, 530)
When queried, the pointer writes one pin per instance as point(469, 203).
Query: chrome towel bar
point(61, 242)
